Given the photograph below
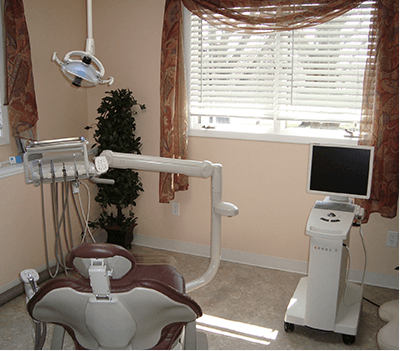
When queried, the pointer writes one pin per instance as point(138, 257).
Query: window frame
point(303, 136)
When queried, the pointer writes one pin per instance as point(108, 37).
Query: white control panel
point(330, 220)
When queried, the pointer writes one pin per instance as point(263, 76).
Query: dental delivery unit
point(117, 303)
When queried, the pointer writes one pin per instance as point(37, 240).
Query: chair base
point(388, 336)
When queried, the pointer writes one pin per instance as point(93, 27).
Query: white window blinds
point(312, 74)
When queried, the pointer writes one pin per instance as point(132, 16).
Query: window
point(4, 126)
point(278, 86)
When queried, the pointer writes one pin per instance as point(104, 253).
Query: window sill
point(7, 170)
point(299, 137)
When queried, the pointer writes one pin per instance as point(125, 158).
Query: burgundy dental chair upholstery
point(116, 303)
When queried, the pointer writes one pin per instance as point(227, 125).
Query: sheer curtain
point(243, 15)
point(380, 122)
point(21, 100)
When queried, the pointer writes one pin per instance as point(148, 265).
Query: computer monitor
point(340, 172)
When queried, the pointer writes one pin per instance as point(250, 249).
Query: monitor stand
point(324, 299)
point(337, 198)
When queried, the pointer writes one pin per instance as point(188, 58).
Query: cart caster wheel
point(289, 327)
point(348, 339)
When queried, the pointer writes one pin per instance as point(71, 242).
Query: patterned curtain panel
point(380, 122)
point(21, 98)
point(174, 121)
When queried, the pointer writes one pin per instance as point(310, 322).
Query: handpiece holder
point(58, 160)
point(30, 277)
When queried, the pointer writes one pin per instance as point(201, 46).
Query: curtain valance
point(268, 15)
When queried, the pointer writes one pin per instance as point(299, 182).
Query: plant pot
point(118, 236)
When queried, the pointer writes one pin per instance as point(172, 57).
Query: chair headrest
point(118, 260)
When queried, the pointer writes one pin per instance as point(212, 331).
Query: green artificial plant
point(115, 131)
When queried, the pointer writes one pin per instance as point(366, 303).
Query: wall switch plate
point(175, 208)
point(392, 239)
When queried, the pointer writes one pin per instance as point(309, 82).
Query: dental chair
point(116, 303)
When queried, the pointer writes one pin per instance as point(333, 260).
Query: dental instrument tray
point(57, 160)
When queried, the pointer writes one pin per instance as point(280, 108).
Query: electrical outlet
point(392, 239)
point(175, 208)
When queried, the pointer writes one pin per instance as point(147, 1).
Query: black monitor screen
point(340, 170)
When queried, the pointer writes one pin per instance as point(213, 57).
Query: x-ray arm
point(201, 169)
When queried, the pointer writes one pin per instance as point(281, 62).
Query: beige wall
point(266, 180)
point(54, 25)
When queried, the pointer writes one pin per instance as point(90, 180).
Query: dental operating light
point(82, 68)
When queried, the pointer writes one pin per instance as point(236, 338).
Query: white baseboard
point(264, 261)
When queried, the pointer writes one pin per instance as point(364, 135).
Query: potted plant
point(115, 131)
